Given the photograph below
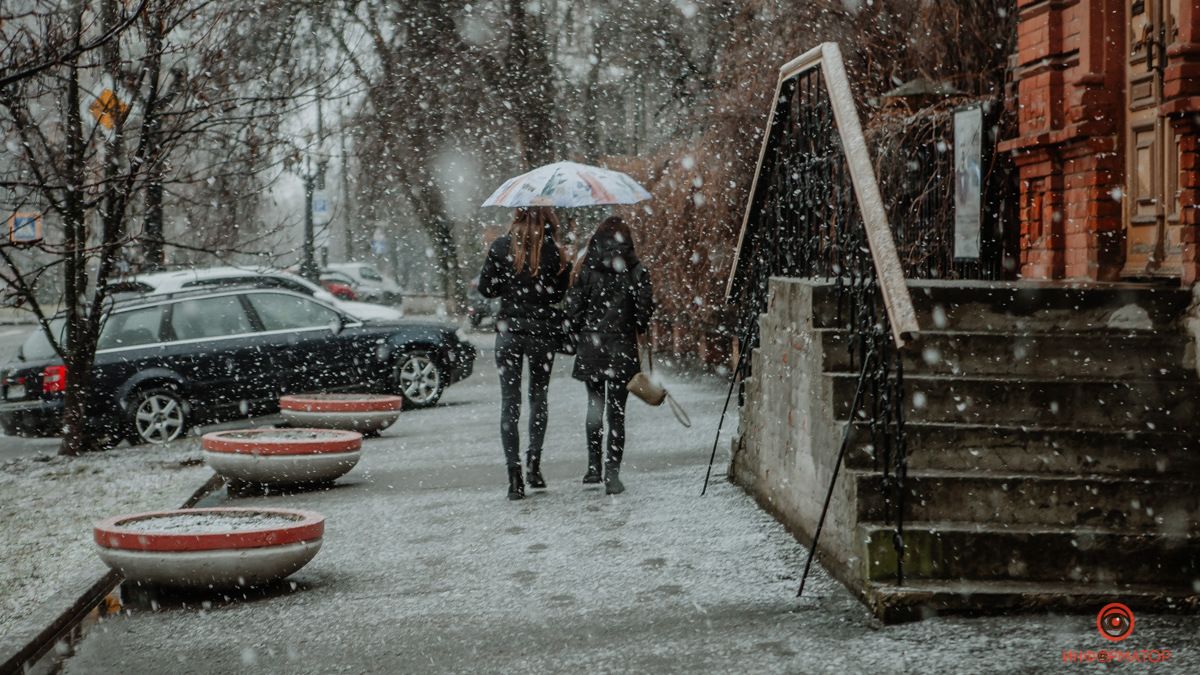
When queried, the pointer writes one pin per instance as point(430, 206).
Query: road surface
point(426, 567)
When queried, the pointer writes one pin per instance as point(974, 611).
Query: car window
point(288, 312)
point(209, 318)
point(286, 284)
point(369, 273)
point(132, 328)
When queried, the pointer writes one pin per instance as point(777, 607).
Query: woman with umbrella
point(608, 306)
point(527, 270)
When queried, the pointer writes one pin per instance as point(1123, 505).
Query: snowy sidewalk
point(427, 568)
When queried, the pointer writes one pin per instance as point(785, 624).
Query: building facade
point(1108, 103)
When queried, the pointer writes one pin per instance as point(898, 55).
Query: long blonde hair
point(528, 230)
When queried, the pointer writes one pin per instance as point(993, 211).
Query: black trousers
point(610, 396)
point(512, 351)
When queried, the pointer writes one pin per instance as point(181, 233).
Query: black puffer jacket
point(528, 304)
point(609, 304)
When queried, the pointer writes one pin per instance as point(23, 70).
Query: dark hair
point(613, 229)
point(528, 231)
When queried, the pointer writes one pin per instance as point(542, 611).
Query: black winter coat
point(528, 304)
point(609, 304)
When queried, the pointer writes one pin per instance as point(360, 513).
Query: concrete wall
point(788, 438)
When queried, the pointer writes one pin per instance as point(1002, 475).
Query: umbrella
point(567, 184)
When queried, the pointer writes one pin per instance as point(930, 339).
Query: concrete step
point(920, 599)
point(1006, 307)
point(1046, 450)
point(1108, 404)
point(1099, 354)
point(1126, 504)
point(979, 552)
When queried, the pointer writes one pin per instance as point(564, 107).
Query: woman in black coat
point(608, 305)
point(527, 270)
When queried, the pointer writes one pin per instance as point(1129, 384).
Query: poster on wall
point(968, 179)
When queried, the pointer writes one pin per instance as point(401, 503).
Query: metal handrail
point(898, 301)
point(814, 234)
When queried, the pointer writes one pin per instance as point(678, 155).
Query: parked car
point(369, 283)
point(339, 285)
point(167, 362)
point(265, 277)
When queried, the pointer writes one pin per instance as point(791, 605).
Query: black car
point(167, 362)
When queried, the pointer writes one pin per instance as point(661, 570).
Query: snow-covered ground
point(427, 567)
point(48, 505)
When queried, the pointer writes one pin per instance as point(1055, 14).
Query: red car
point(339, 285)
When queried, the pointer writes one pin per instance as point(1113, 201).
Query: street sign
point(106, 108)
point(320, 207)
point(379, 242)
point(25, 228)
point(968, 179)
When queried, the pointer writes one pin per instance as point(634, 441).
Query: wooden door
point(1151, 203)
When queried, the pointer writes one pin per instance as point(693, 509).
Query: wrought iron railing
point(816, 213)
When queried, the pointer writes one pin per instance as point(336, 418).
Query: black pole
point(737, 373)
point(308, 263)
point(812, 551)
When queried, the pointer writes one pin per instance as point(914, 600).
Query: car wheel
point(157, 415)
point(11, 428)
point(417, 377)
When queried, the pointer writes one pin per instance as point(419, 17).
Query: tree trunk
point(441, 233)
point(75, 432)
point(531, 81)
point(591, 107)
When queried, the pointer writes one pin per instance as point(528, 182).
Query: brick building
point(1108, 101)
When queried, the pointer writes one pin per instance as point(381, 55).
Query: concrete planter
point(282, 456)
point(364, 413)
point(210, 548)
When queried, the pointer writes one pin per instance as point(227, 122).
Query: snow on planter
point(365, 413)
point(210, 548)
point(282, 456)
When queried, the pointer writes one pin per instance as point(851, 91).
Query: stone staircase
point(1053, 452)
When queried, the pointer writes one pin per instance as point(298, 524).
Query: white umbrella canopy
point(568, 184)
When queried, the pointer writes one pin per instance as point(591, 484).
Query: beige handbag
point(644, 387)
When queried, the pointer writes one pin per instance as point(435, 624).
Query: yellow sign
point(106, 109)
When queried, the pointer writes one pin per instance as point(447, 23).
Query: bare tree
point(89, 174)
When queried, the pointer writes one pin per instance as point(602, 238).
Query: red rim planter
point(365, 413)
point(210, 548)
point(282, 456)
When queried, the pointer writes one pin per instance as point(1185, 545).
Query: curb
point(61, 618)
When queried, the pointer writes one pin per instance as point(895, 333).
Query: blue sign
point(25, 228)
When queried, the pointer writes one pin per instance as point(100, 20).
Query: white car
point(264, 277)
point(369, 283)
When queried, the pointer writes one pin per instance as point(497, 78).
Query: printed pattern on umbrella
point(567, 184)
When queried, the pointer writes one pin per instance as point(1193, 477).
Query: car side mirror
point(338, 325)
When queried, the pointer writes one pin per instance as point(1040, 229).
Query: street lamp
point(313, 181)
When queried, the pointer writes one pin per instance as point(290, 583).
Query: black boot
point(534, 475)
point(516, 486)
point(593, 471)
point(612, 480)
